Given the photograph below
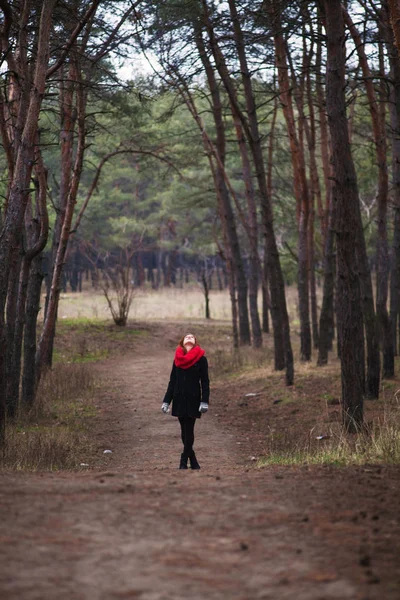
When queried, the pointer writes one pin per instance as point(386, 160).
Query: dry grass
point(172, 304)
point(53, 436)
point(378, 443)
point(166, 304)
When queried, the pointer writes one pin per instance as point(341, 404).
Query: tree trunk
point(265, 294)
point(48, 332)
point(349, 313)
point(326, 321)
point(395, 258)
point(206, 289)
point(313, 288)
point(377, 112)
point(226, 212)
point(37, 227)
point(277, 287)
point(232, 295)
point(68, 121)
point(394, 61)
point(32, 310)
point(19, 189)
point(394, 9)
point(11, 315)
point(326, 324)
point(300, 190)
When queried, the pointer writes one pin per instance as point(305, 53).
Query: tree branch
point(92, 9)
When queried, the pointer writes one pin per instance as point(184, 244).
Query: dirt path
point(140, 528)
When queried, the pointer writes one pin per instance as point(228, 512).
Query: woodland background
point(258, 149)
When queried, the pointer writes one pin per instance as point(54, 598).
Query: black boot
point(193, 461)
point(183, 463)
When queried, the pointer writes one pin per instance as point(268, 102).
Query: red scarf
point(185, 360)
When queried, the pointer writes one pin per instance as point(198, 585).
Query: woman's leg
point(182, 423)
point(184, 456)
point(189, 435)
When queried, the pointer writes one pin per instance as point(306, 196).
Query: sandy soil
point(134, 526)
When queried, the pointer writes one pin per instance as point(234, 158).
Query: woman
point(189, 390)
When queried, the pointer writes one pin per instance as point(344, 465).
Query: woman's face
point(189, 340)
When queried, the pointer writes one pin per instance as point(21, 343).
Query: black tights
point(187, 434)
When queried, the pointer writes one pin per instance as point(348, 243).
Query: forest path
point(143, 529)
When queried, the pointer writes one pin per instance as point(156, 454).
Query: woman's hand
point(203, 408)
point(165, 407)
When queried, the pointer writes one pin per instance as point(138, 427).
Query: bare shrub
point(118, 291)
point(113, 275)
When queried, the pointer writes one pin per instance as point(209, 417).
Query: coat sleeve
point(205, 382)
point(171, 385)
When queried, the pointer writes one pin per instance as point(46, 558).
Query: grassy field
point(166, 304)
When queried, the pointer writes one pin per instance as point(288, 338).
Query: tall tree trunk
point(300, 189)
point(37, 228)
point(68, 121)
point(277, 286)
point(226, 212)
point(48, 332)
point(19, 189)
point(377, 112)
point(11, 316)
point(313, 286)
point(315, 195)
point(326, 321)
point(232, 295)
point(349, 313)
point(251, 223)
point(395, 257)
point(394, 8)
point(266, 302)
point(394, 61)
point(28, 392)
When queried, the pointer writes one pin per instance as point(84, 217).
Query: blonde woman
point(189, 392)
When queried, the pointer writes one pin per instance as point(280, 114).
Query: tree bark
point(28, 392)
point(225, 207)
point(11, 317)
point(395, 255)
point(387, 26)
point(36, 237)
point(277, 287)
point(394, 8)
point(68, 121)
point(377, 112)
point(48, 332)
point(326, 321)
point(300, 190)
point(19, 189)
point(349, 313)
point(251, 223)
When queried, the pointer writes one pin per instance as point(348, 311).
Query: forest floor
point(134, 526)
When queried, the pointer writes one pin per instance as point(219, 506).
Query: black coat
point(187, 388)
